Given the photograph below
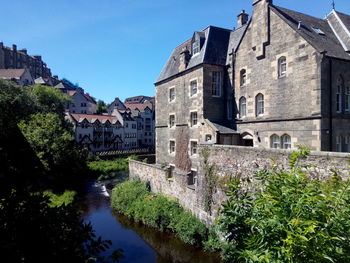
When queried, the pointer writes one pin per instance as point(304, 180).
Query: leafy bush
point(108, 169)
point(292, 219)
point(57, 200)
point(133, 199)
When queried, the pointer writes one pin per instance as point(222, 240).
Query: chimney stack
point(14, 48)
point(1, 45)
point(268, 1)
point(242, 18)
point(184, 59)
point(24, 51)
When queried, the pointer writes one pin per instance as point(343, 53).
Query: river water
point(140, 244)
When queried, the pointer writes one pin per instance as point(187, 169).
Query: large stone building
point(12, 58)
point(281, 79)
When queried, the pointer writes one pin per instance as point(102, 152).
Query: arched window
point(286, 142)
point(347, 99)
point(275, 141)
point(259, 104)
point(243, 77)
point(282, 66)
point(339, 94)
point(242, 107)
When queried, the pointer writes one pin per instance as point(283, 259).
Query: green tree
point(49, 99)
point(101, 107)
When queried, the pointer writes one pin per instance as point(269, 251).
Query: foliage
point(57, 200)
point(55, 146)
point(101, 107)
point(48, 99)
point(292, 219)
point(134, 199)
point(108, 169)
point(210, 180)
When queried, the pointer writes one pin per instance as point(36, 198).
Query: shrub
point(292, 219)
point(108, 169)
point(133, 199)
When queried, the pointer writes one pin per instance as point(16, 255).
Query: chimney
point(1, 45)
point(55, 76)
point(14, 48)
point(242, 18)
point(24, 51)
point(184, 59)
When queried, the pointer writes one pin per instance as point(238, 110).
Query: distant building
point(105, 133)
point(20, 76)
point(82, 102)
point(11, 58)
point(116, 104)
point(139, 99)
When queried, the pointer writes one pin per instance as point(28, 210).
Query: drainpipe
point(330, 105)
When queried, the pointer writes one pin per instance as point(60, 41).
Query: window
point(192, 179)
point(347, 99)
point(194, 119)
point(259, 104)
point(216, 83)
point(133, 126)
point(172, 94)
point(242, 107)
point(347, 144)
point(193, 148)
point(286, 142)
point(275, 141)
point(339, 94)
point(172, 121)
point(319, 31)
point(282, 66)
point(243, 77)
point(193, 87)
point(196, 47)
point(172, 146)
point(338, 143)
point(208, 138)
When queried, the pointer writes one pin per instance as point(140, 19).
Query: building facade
point(12, 58)
point(83, 103)
point(279, 80)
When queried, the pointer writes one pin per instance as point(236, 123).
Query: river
point(140, 244)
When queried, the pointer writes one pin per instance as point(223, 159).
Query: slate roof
point(235, 40)
point(328, 42)
point(213, 51)
point(91, 118)
point(11, 73)
point(137, 99)
point(139, 106)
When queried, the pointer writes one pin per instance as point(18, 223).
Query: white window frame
point(192, 147)
point(259, 104)
point(192, 87)
point(242, 102)
point(172, 124)
point(275, 141)
point(286, 144)
point(216, 85)
point(172, 97)
point(196, 47)
point(172, 146)
point(193, 121)
point(282, 66)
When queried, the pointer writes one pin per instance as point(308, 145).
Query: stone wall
point(235, 161)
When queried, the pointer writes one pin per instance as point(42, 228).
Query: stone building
point(19, 76)
point(82, 102)
point(279, 80)
point(12, 58)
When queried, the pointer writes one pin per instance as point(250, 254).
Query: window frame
point(172, 146)
point(282, 67)
point(193, 121)
point(259, 105)
point(284, 142)
point(172, 121)
point(242, 77)
point(241, 103)
point(193, 148)
point(276, 142)
point(196, 47)
point(191, 87)
point(172, 95)
point(347, 99)
point(216, 83)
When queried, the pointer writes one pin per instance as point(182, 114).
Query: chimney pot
point(243, 18)
point(14, 47)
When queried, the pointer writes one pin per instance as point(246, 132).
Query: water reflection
point(139, 243)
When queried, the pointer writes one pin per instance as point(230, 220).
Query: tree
point(49, 99)
point(101, 107)
point(54, 144)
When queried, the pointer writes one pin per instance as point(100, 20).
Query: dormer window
point(196, 47)
point(319, 31)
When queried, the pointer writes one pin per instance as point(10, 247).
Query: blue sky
point(117, 48)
